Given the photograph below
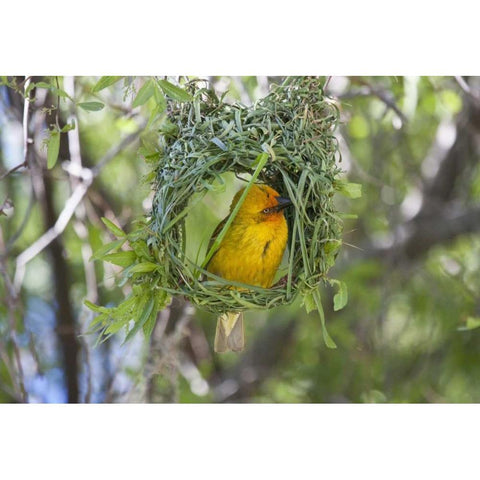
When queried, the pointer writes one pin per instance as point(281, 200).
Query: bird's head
point(262, 204)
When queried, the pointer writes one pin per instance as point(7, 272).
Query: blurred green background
point(410, 259)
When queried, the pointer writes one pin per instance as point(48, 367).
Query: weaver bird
point(249, 253)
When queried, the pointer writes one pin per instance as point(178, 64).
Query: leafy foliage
point(204, 138)
point(139, 267)
point(409, 332)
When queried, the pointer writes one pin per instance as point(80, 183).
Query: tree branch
point(88, 175)
point(367, 90)
point(26, 139)
point(467, 89)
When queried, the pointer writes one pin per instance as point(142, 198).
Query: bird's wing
point(214, 236)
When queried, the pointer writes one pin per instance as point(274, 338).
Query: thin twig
point(51, 234)
point(13, 169)
point(26, 139)
point(113, 152)
point(327, 81)
point(80, 213)
point(367, 90)
point(467, 89)
point(88, 175)
point(26, 108)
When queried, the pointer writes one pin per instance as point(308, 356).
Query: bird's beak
point(282, 203)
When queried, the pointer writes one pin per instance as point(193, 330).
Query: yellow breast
point(251, 253)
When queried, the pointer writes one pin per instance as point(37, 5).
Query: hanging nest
point(285, 140)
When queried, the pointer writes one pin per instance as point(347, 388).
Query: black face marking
point(265, 248)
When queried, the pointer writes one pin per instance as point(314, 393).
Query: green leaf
point(340, 299)
point(91, 106)
point(95, 308)
point(159, 98)
point(122, 259)
point(140, 322)
point(104, 249)
point(113, 228)
point(114, 326)
point(105, 82)
point(152, 319)
point(145, 92)
point(141, 249)
point(260, 159)
point(53, 148)
point(471, 324)
point(53, 89)
point(43, 85)
point(326, 337)
point(143, 267)
point(174, 92)
point(350, 190)
point(331, 246)
point(68, 127)
point(309, 303)
point(97, 321)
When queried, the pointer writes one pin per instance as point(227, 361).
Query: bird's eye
point(266, 210)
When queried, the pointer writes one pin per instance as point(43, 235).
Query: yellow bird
point(250, 253)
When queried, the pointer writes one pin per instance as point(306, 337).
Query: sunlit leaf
point(340, 299)
point(350, 190)
point(105, 82)
point(145, 92)
point(146, 307)
point(122, 259)
point(113, 228)
point(160, 303)
point(143, 267)
point(174, 92)
point(159, 98)
point(104, 249)
point(53, 148)
point(309, 303)
point(326, 337)
point(471, 323)
point(68, 127)
point(95, 308)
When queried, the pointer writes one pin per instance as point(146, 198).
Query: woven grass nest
point(285, 140)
